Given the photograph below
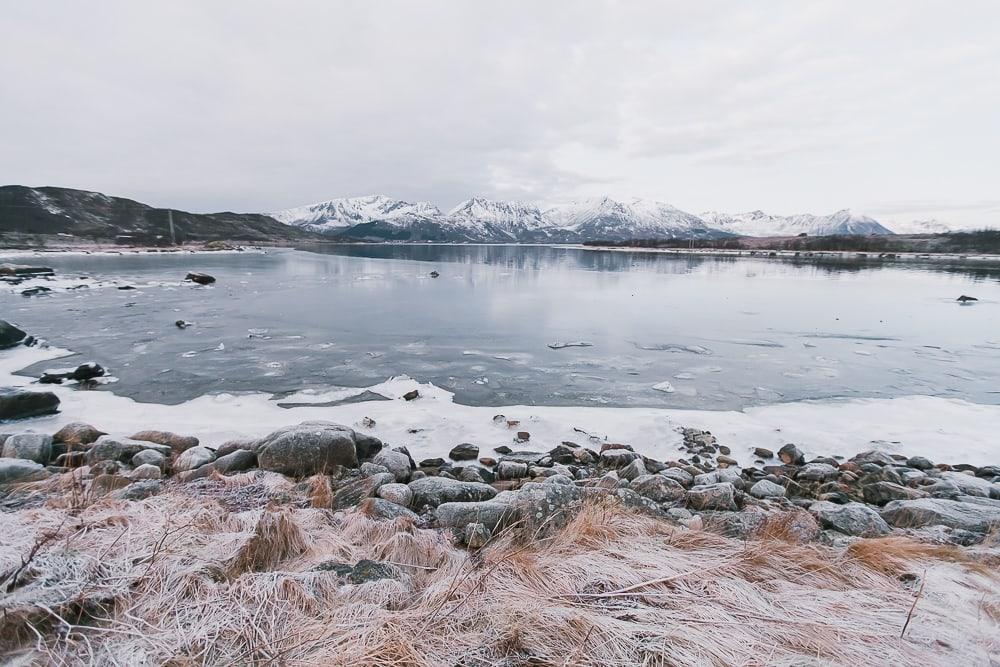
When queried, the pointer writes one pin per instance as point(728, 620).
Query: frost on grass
point(180, 578)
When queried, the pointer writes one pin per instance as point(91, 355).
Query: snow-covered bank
point(945, 430)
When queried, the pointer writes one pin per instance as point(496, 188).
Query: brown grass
point(177, 579)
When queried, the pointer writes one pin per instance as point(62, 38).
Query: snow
point(946, 430)
point(347, 212)
point(759, 223)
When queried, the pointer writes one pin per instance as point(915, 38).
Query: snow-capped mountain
point(339, 214)
point(606, 218)
point(920, 227)
point(491, 218)
point(758, 223)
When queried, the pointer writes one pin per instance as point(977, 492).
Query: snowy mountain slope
point(606, 218)
point(758, 223)
point(338, 214)
point(492, 218)
point(920, 227)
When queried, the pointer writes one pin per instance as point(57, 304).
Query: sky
point(888, 107)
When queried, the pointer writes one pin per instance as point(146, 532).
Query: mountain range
point(479, 219)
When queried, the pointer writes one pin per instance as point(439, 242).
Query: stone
point(919, 462)
point(102, 485)
point(434, 491)
point(618, 458)
point(558, 478)
point(21, 404)
point(719, 496)
point(114, 448)
point(385, 510)
point(436, 462)
point(146, 471)
point(658, 488)
point(476, 535)
point(880, 493)
point(512, 470)
point(178, 443)
point(366, 445)
point(396, 493)
point(633, 470)
point(236, 461)
point(679, 475)
point(363, 572)
point(35, 447)
point(411, 395)
point(10, 335)
point(192, 458)
point(963, 515)
point(874, 456)
point(307, 448)
point(487, 461)
point(139, 490)
point(230, 446)
point(817, 472)
point(492, 514)
point(353, 491)
point(763, 453)
point(73, 459)
point(767, 489)
point(477, 474)
point(397, 463)
point(972, 486)
point(150, 457)
point(791, 455)
point(464, 452)
point(77, 434)
point(522, 436)
point(200, 278)
point(20, 470)
point(81, 373)
point(855, 519)
point(368, 469)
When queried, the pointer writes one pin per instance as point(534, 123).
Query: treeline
point(986, 241)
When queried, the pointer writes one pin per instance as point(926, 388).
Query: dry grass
point(178, 579)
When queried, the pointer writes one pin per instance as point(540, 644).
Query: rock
point(763, 453)
point(20, 470)
point(70, 459)
point(307, 448)
point(633, 470)
point(464, 452)
point(719, 496)
point(436, 490)
point(434, 274)
point(527, 458)
point(139, 490)
point(146, 471)
point(192, 458)
point(817, 472)
point(21, 404)
point(10, 335)
point(726, 461)
point(972, 486)
point(790, 455)
point(436, 462)
point(503, 449)
point(966, 299)
point(354, 491)
point(618, 458)
point(366, 445)
point(236, 461)
point(919, 462)
point(558, 479)
point(150, 457)
point(379, 508)
point(492, 514)
point(989, 472)
point(411, 395)
point(971, 516)
point(102, 485)
point(679, 475)
point(476, 535)
point(875, 457)
point(363, 572)
point(658, 488)
point(767, 489)
point(477, 474)
point(81, 373)
point(182, 324)
point(397, 463)
point(178, 443)
point(856, 519)
point(200, 278)
point(31, 446)
point(23, 270)
point(114, 448)
point(396, 493)
point(512, 470)
point(76, 434)
point(880, 493)
point(36, 291)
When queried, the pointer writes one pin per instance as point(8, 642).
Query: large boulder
point(494, 515)
point(114, 448)
point(150, 457)
point(972, 486)
point(395, 462)
point(235, 461)
point(10, 335)
point(21, 404)
point(200, 278)
point(20, 470)
point(309, 448)
point(77, 434)
point(720, 496)
point(396, 493)
point(178, 443)
point(464, 452)
point(353, 491)
point(765, 488)
point(381, 509)
point(880, 493)
point(35, 447)
point(192, 458)
point(979, 517)
point(658, 488)
point(436, 490)
point(855, 519)
point(817, 472)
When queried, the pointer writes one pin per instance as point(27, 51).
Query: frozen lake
point(664, 330)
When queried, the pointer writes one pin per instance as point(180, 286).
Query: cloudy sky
point(891, 108)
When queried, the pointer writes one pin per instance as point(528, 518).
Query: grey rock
point(21, 404)
point(855, 519)
point(77, 434)
point(397, 463)
point(307, 448)
point(791, 455)
point(150, 457)
point(114, 448)
point(399, 494)
point(366, 445)
point(975, 517)
point(527, 458)
point(558, 479)
point(493, 515)
point(21, 470)
point(102, 485)
point(817, 472)
point(633, 470)
point(139, 490)
point(658, 488)
point(178, 443)
point(146, 471)
point(230, 446)
point(35, 447)
point(719, 496)
point(192, 458)
point(511, 469)
point(368, 469)
point(679, 475)
point(972, 486)
point(880, 493)
point(379, 508)
point(353, 491)
point(874, 456)
point(476, 535)
point(10, 335)
point(767, 489)
point(436, 490)
point(364, 571)
point(919, 462)
point(618, 458)
point(464, 452)
point(236, 461)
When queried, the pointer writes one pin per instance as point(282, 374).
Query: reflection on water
point(724, 332)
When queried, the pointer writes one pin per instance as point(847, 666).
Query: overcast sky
point(890, 108)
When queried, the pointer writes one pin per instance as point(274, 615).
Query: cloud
point(261, 105)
